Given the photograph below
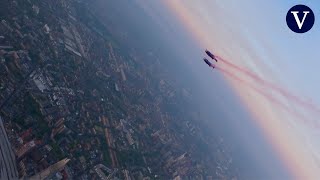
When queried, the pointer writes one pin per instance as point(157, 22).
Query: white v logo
point(295, 14)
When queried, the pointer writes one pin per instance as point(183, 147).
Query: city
point(77, 104)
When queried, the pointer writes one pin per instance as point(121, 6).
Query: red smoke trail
point(283, 92)
point(268, 96)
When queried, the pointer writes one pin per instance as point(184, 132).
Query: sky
point(253, 35)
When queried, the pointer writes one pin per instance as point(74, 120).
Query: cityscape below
point(78, 102)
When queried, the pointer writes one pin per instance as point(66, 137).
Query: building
point(124, 78)
point(51, 170)
point(8, 167)
point(116, 87)
point(26, 148)
point(126, 174)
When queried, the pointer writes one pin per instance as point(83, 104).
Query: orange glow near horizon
point(280, 135)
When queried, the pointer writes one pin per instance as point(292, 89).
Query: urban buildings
point(51, 170)
point(8, 167)
point(78, 103)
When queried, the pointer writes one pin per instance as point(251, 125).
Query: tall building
point(50, 170)
point(8, 167)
